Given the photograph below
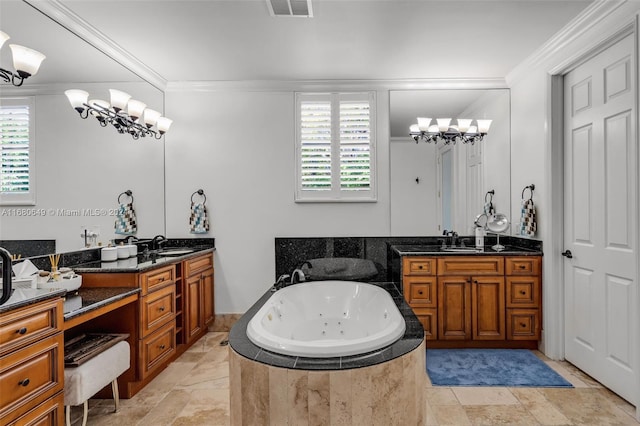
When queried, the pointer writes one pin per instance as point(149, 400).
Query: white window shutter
point(16, 152)
point(335, 147)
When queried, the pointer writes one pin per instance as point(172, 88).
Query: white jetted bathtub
point(324, 319)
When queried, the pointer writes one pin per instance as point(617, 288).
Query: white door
point(601, 218)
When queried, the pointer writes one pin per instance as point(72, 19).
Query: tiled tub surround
point(291, 252)
point(380, 387)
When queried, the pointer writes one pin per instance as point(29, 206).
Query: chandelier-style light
point(127, 115)
point(25, 61)
point(444, 131)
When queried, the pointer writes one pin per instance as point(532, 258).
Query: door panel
point(601, 218)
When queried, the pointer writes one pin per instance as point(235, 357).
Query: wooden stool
point(84, 381)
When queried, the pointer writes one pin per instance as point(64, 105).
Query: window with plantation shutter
point(17, 183)
point(335, 147)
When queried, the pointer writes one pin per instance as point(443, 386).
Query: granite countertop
point(412, 338)
point(140, 263)
point(29, 296)
point(428, 250)
point(89, 299)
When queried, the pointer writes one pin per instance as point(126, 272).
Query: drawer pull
point(522, 266)
point(161, 308)
point(420, 292)
point(162, 347)
point(523, 325)
point(523, 292)
point(161, 279)
point(24, 382)
point(23, 330)
point(419, 266)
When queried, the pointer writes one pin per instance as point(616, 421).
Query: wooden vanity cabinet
point(157, 341)
point(32, 365)
point(523, 299)
point(474, 299)
point(199, 298)
point(420, 290)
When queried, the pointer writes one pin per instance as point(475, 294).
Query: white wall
point(239, 147)
point(80, 165)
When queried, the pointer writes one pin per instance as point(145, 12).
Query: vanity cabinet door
point(208, 310)
point(488, 308)
point(194, 315)
point(428, 317)
point(454, 308)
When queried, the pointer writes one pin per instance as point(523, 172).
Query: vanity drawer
point(421, 291)
point(418, 265)
point(428, 317)
point(477, 265)
point(158, 278)
point(157, 348)
point(50, 412)
point(523, 324)
point(523, 292)
point(31, 375)
point(525, 265)
point(157, 308)
point(198, 264)
point(30, 324)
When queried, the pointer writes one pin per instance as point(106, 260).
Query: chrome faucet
point(453, 235)
point(297, 276)
point(281, 282)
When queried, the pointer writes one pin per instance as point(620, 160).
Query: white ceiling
point(212, 40)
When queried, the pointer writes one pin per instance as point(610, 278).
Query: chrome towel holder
point(201, 193)
point(530, 188)
point(128, 193)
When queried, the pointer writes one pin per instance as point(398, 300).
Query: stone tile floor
point(194, 390)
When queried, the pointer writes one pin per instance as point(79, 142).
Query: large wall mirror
point(81, 168)
point(436, 187)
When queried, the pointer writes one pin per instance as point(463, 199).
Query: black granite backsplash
point(73, 258)
point(29, 248)
point(291, 252)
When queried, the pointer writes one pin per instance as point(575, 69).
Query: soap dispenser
point(479, 238)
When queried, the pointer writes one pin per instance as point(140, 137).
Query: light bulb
point(483, 126)
point(119, 99)
point(423, 123)
point(443, 124)
point(77, 98)
point(26, 61)
point(135, 109)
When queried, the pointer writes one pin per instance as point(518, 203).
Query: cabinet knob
point(161, 308)
point(162, 346)
point(522, 266)
point(420, 292)
point(23, 330)
point(523, 292)
point(475, 281)
point(419, 266)
point(24, 382)
point(523, 325)
point(161, 279)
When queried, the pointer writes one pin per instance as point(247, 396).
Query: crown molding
point(68, 19)
point(342, 85)
point(593, 14)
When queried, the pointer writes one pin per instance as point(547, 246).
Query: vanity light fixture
point(449, 133)
point(26, 62)
point(127, 115)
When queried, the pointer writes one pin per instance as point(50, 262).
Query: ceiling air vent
point(292, 8)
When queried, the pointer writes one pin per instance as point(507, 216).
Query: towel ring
point(199, 192)
point(127, 193)
point(530, 188)
point(489, 194)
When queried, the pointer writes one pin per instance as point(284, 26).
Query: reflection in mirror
point(434, 186)
point(80, 167)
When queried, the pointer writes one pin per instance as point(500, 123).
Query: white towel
point(198, 220)
point(528, 225)
point(126, 223)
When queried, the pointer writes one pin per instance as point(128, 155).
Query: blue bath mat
point(490, 367)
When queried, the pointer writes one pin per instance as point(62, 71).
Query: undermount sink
point(178, 251)
point(460, 249)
